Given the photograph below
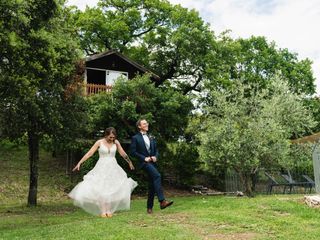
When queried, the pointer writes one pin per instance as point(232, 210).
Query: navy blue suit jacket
point(139, 150)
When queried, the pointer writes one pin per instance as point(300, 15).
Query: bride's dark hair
point(110, 130)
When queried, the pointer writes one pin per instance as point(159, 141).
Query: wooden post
point(316, 166)
point(85, 82)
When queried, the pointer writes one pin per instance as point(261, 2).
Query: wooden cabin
point(103, 69)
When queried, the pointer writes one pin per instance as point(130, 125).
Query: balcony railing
point(97, 88)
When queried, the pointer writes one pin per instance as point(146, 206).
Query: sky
point(291, 24)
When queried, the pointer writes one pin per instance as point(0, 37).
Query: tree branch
point(144, 32)
point(193, 87)
point(105, 41)
point(169, 74)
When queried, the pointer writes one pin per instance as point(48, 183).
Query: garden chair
point(311, 183)
point(272, 182)
point(293, 183)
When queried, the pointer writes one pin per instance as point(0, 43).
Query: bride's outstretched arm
point(124, 154)
point(92, 150)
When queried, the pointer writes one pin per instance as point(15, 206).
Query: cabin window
point(112, 76)
point(96, 76)
point(104, 76)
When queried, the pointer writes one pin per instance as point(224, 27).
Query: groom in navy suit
point(145, 149)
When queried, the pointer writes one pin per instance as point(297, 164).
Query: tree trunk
point(33, 142)
point(254, 179)
point(247, 183)
point(248, 186)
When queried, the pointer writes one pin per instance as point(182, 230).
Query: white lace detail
point(105, 151)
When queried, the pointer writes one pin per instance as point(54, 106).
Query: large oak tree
point(37, 57)
point(171, 40)
point(181, 48)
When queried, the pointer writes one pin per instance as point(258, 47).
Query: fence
point(261, 181)
point(97, 88)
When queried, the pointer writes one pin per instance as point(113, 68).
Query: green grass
point(192, 217)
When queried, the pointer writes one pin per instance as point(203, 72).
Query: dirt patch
point(169, 192)
point(227, 236)
point(205, 230)
point(174, 192)
point(176, 218)
point(281, 213)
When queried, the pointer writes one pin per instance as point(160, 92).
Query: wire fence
point(262, 183)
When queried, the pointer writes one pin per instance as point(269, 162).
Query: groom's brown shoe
point(149, 210)
point(165, 204)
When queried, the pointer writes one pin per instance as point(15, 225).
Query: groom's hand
point(154, 159)
point(147, 159)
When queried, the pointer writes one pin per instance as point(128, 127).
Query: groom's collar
point(144, 133)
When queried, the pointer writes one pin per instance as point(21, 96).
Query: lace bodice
point(105, 151)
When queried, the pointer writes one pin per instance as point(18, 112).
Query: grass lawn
point(191, 217)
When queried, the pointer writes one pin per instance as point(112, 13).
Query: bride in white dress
point(106, 188)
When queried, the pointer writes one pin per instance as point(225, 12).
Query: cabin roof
point(314, 138)
point(114, 52)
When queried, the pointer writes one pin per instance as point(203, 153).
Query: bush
point(182, 162)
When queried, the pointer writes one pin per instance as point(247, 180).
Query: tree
point(256, 61)
point(170, 40)
point(166, 109)
point(313, 103)
point(37, 58)
point(245, 132)
point(179, 46)
point(182, 162)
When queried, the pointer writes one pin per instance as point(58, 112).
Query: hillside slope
point(53, 183)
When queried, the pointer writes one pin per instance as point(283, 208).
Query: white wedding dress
point(106, 188)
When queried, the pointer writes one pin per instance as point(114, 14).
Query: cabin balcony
point(91, 88)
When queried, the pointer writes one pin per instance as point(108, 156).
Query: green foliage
point(247, 128)
point(38, 55)
point(300, 156)
point(171, 40)
point(179, 46)
point(165, 109)
point(313, 103)
point(182, 162)
point(254, 60)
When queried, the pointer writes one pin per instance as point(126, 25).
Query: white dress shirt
point(146, 141)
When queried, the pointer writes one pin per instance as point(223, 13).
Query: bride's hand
point(131, 166)
point(77, 167)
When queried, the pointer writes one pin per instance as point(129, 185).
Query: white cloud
point(291, 24)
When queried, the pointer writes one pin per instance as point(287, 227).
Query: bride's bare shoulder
point(98, 142)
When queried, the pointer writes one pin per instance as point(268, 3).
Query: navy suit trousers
point(154, 184)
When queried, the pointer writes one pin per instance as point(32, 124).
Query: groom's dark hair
point(139, 121)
